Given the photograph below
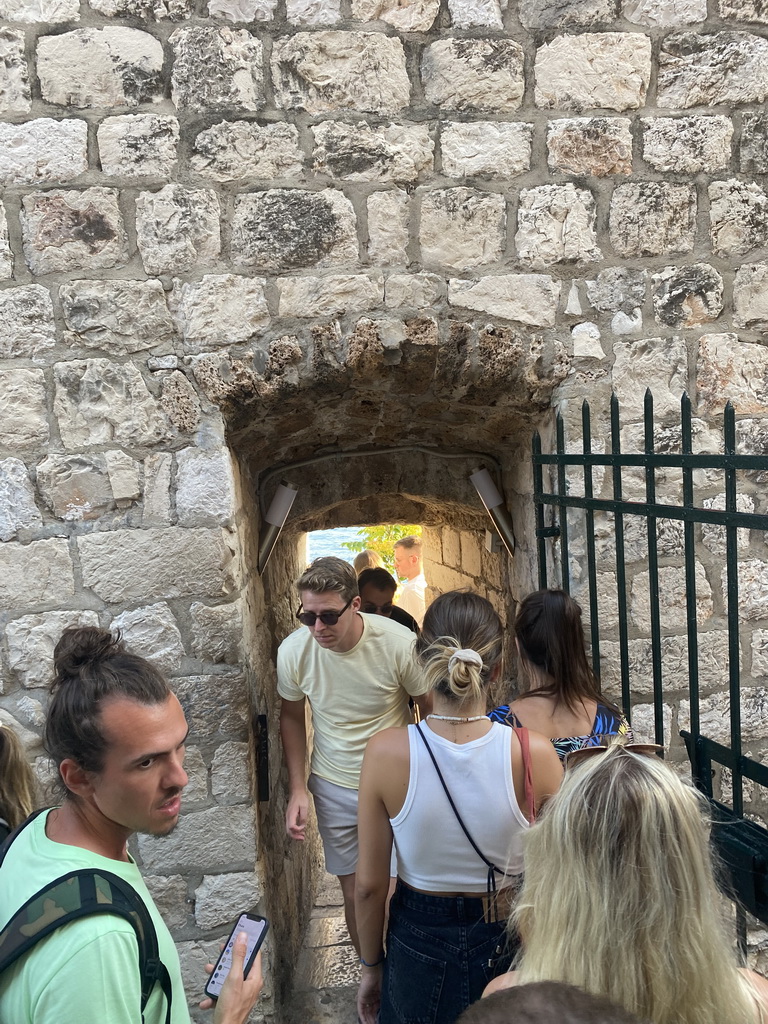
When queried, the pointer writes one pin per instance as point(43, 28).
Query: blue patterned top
point(607, 723)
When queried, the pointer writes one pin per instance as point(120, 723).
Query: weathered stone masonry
point(237, 234)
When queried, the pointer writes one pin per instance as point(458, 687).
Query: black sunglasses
point(327, 618)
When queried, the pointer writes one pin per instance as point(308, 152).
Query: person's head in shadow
point(546, 1002)
point(367, 559)
point(18, 791)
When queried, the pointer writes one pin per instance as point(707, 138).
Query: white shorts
point(336, 810)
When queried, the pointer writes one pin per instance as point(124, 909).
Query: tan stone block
point(738, 216)
point(220, 309)
point(68, 230)
point(75, 487)
point(32, 638)
point(660, 364)
point(217, 632)
point(230, 773)
point(242, 10)
point(590, 145)
point(160, 9)
point(138, 145)
point(313, 13)
point(556, 224)
point(687, 296)
point(363, 152)
point(157, 490)
point(36, 573)
point(487, 148)
point(527, 298)
point(43, 150)
point(474, 74)
point(217, 895)
point(118, 317)
point(15, 96)
point(49, 12)
point(169, 893)
point(329, 295)
point(462, 228)
point(418, 291)
point(715, 714)
point(180, 402)
point(23, 413)
point(6, 256)
point(217, 839)
point(728, 370)
point(687, 145)
point(177, 229)
point(239, 150)
point(672, 598)
point(153, 633)
point(388, 222)
point(476, 13)
point(750, 296)
point(560, 14)
point(26, 314)
point(216, 706)
point(18, 510)
point(204, 487)
point(664, 13)
point(216, 67)
point(610, 70)
point(652, 217)
point(707, 69)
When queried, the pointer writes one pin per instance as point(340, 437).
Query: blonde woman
point(619, 896)
point(451, 794)
point(17, 783)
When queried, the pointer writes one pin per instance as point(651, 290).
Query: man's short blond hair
point(412, 544)
point(329, 574)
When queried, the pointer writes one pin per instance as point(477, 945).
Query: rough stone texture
point(419, 291)
point(730, 370)
point(217, 632)
point(590, 145)
point(153, 633)
point(527, 298)
point(313, 13)
point(652, 217)
point(282, 229)
point(215, 706)
point(556, 224)
point(31, 640)
point(617, 289)
point(750, 296)
point(753, 146)
point(687, 145)
point(157, 490)
point(43, 150)
point(485, 148)
point(743, 10)
point(559, 14)
point(123, 472)
point(177, 228)
point(476, 13)
point(218, 839)
point(660, 364)
point(714, 537)
point(221, 309)
point(196, 789)
point(138, 145)
point(51, 12)
point(461, 228)
point(218, 894)
point(388, 221)
point(706, 69)
point(146, 9)
point(404, 15)
point(17, 499)
point(362, 152)
point(330, 295)
point(686, 296)
point(753, 585)
point(664, 13)
point(67, 230)
point(36, 573)
point(204, 487)
point(100, 67)
point(23, 420)
point(230, 781)
point(75, 487)
point(216, 67)
point(98, 402)
point(242, 10)
point(713, 655)
point(715, 715)
point(738, 216)
point(27, 318)
point(6, 255)
point(586, 341)
point(169, 893)
point(672, 598)
point(239, 150)
point(330, 71)
point(604, 69)
point(474, 74)
point(15, 96)
point(180, 402)
point(135, 565)
point(117, 317)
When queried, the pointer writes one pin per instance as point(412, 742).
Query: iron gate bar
point(562, 487)
point(692, 625)
point(715, 517)
point(621, 578)
point(653, 574)
point(541, 530)
point(732, 576)
point(586, 433)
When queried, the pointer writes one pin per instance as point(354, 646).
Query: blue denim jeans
point(441, 953)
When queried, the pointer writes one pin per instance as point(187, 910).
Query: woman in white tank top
point(445, 936)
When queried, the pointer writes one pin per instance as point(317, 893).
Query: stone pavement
point(325, 983)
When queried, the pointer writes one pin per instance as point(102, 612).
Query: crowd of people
point(521, 865)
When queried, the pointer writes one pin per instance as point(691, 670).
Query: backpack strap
point(525, 748)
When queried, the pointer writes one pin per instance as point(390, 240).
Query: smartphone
point(255, 928)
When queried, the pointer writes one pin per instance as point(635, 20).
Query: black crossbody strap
point(492, 869)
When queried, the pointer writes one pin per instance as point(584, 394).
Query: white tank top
point(432, 851)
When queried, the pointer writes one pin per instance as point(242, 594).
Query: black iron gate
point(743, 844)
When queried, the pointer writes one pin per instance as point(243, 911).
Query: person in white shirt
point(408, 563)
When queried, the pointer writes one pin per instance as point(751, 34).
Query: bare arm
point(293, 733)
point(546, 769)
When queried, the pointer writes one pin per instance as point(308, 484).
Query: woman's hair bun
point(81, 647)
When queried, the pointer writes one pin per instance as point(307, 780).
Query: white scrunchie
point(465, 655)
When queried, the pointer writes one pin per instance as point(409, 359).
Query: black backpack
point(79, 894)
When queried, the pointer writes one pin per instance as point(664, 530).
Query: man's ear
point(76, 779)
point(356, 602)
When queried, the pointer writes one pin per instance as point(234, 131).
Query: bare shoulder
point(387, 743)
point(508, 980)
point(759, 985)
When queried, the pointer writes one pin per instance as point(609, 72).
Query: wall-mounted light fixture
point(493, 500)
point(274, 521)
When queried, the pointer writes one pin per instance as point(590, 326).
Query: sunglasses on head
point(584, 753)
point(327, 618)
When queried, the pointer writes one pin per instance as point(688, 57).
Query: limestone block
point(706, 69)
point(218, 894)
point(590, 145)
point(75, 487)
point(215, 706)
point(474, 74)
point(177, 229)
point(559, 14)
point(180, 402)
point(216, 839)
point(204, 487)
point(329, 296)
point(743, 10)
point(242, 10)
point(100, 67)
point(728, 370)
point(160, 9)
point(26, 314)
point(6, 256)
point(153, 633)
point(759, 646)
point(475, 13)
point(714, 714)
point(643, 722)
point(157, 490)
point(556, 224)
point(220, 309)
point(404, 15)
point(36, 573)
point(217, 632)
point(753, 147)
point(750, 296)
point(324, 71)
point(672, 598)
point(586, 341)
point(687, 145)
point(23, 419)
point(388, 220)
point(714, 537)
point(419, 291)
point(15, 97)
point(68, 230)
point(313, 13)
point(196, 789)
point(603, 69)
point(17, 499)
point(487, 148)
point(651, 218)
point(617, 288)
point(713, 655)
point(362, 152)
point(51, 12)
point(138, 145)
point(238, 150)
point(230, 774)
point(216, 67)
point(32, 638)
point(140, 565)
point(462, 227)
point(43, 150)
point(687, 296)
point(123, 474)
point(664, 13)
point(282, 229)
point(528, 298)
point(170, 895)
point(118, 317)
point(99, 402)
point(738, 217)
point(660, 364)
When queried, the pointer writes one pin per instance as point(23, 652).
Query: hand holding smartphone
point(255, 928)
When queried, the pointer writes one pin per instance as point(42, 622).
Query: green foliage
point(382, 540)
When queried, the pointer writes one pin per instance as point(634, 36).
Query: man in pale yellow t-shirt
point(357, 672)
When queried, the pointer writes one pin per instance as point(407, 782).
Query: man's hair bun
point(83, 648)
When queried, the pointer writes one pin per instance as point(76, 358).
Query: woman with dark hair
point(455, 795)
point(17, 783)
point(561, 698)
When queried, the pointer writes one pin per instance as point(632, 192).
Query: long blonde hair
point(18, 792)
point(619, 896)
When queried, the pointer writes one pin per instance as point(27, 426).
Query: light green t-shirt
point(86, 972)
point(352, 695)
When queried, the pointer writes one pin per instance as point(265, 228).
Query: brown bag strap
point(530, 799)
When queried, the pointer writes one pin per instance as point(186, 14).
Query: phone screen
point(255, 928)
